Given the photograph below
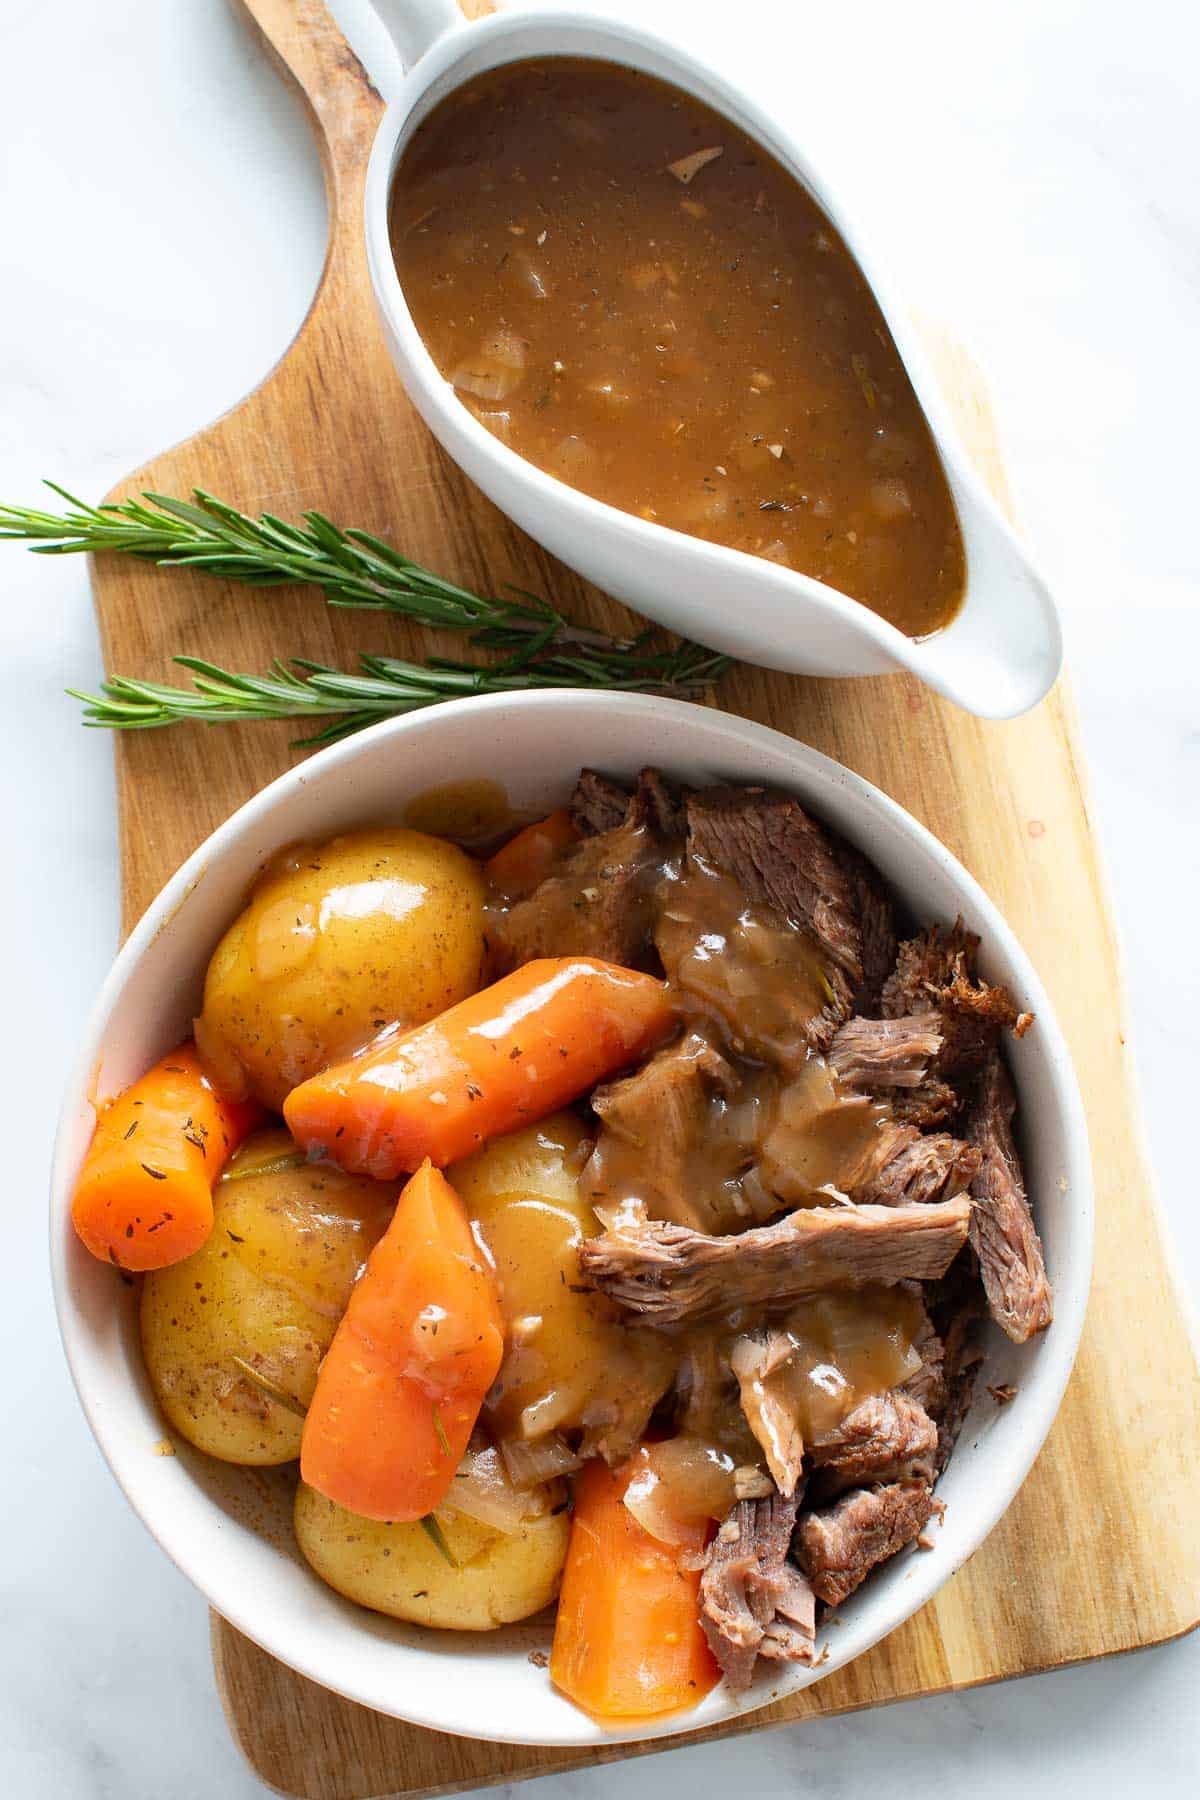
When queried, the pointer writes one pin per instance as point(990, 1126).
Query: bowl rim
point(715, 732)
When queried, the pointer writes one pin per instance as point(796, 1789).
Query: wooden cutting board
point(1099, 1553)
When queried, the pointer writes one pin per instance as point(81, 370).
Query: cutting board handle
point(303, 39)
point(345, 108)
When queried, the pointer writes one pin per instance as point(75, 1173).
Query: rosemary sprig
point(384, 687)
point(540, 646)
point(352, 568)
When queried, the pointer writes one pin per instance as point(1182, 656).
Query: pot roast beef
point(666, 1272)
point(598, 804)
point(877, 922)
point(920, 1169)
point(887, 1437)
point(754, 1601)
point(600, 900)
point(927, 1385)
point(781, 858)
point(676, 1138)
point(835, 1114)
point(935, 971)
point(838, 1548)
point(880, 1055)
point(1003, 1234)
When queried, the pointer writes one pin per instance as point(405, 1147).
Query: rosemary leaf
point(270, 1388)
point(294, 1159)
point(438, 1537)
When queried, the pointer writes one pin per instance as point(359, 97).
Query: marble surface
point(1031, 170)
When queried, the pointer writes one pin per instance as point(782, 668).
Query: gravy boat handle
point(414, 25)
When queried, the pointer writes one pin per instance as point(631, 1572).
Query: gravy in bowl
point(637, 298)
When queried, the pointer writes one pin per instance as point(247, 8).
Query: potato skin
point(398, 1570)
point(571, 1359)
point(269, 1286)
point(541, 1159)
point(338, 941)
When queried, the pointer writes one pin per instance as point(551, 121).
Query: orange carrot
point(144, 1196)
point(506, 1057)
point(627, 1640)
point(525, 861)
point(418, 1347)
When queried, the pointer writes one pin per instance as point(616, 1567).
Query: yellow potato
point(268, 1287)
point(398, 1569)
point(340, 940)
point(542, 1159)
point(570, 1362)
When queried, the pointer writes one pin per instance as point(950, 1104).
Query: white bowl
point(1001, 652)
point(228, 1529)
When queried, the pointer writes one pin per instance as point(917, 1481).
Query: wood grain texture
point(1099, 1553)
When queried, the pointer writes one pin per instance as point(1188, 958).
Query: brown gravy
point(682, 335)
point(745, 965)
point(844, 1348)
point(475, 814)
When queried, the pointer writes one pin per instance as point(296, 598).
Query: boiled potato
point(269, 1287)
point(340, 940)
point(499, 1577)
point(570, 1361)
point(542, 1159)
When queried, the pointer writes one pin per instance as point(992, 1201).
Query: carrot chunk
point(525, 861)
point(417, 1349)
point(506, 1057)
point(144, 1196)
point(628, 1642)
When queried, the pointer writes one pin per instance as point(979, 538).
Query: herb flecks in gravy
point(636, 297)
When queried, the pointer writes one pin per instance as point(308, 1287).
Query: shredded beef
point(927, 1385)
point(926, 965)
point(599, 904)
point(783, 859)
point(963, 1357)
point(877, 921)
point(887, 1437)
point(661, 1124)
point(885, 1054)
point(957, 1309)
point(600, 901)
point(932, 1103)
point(654, 804)
point(936, 970)
point(838, 1548)
point(920, 1169)
point(667, 1272)
point(1003, 1234)
point(598, 804)
point(614, 1426)
point(822, 1138)
point(753, 1601)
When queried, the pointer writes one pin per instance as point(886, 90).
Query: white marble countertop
point(1031, 170)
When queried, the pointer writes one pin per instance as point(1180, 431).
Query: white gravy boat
point(997, 657)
